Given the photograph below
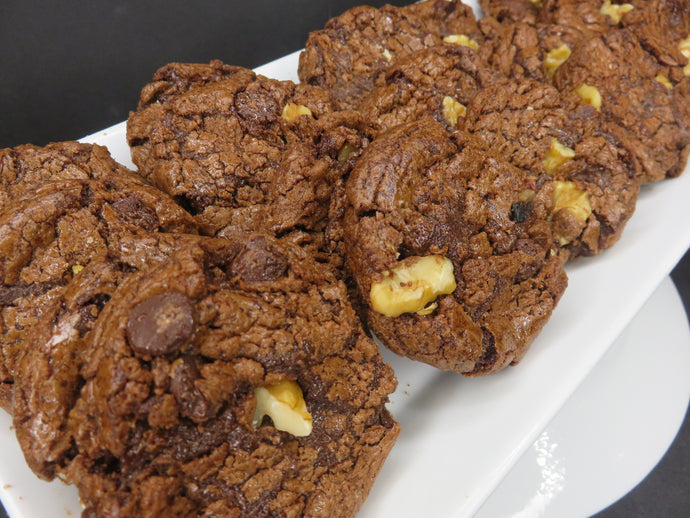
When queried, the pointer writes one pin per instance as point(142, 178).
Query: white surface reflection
point(552, 473)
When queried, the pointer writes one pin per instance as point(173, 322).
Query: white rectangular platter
point(461, 436)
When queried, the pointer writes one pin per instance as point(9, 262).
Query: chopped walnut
point(412, 285)
point(452, 110)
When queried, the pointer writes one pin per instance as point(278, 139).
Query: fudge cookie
point(672, 17)
point(438, 81)
point(588, 17)
point(351, 54)
point(27, 168)
point(520, 49)
point(47, 374)
point(651, 118)
point(535, 128)
point(63, 204)
point(454, 265)
point(241, 152)
point(663, 29)
point(598, 16)
point(232, 379)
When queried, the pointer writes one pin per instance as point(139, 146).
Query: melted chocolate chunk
point(256, 107)
point(192, 403)
point(132, 210)
point(259, 261)
point(519, 211)
point(161, 324)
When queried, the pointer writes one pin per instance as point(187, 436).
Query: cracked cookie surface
point(651, 119)
point(63, 204)
point(164, 417)
point(419, 191)
point(241, 152)
point(352, 52)
point(438, 81)
point(536, 128)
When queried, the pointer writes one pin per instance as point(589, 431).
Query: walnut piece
point(291, 111)
point(452, 109)
point(412, 285)
point(615, 11)
point(345, 152)
point(684, 47)
point(557, 155)
point(284, 403)
point(664, 81)
point(555, 58)
point(590, 95)
point(462, 39)
point(567, 196)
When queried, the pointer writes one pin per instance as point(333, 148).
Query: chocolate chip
point(132, 210)
point(192, 403)
point(259, 261)
point(519, 211)
point(161, 324)
point(257, 107)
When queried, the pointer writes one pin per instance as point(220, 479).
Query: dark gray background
point(68, 69)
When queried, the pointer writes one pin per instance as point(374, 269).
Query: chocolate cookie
point(651, 117)
point(231, 379)
point(241, 152)
point(353, 51)
point(47, 374)
point(669, 18)
point(454, 264)
point(550, 135)
point(590, 17)
point(63, 204)
point(533, 40)
point(662, 27)
point(599, 16)
point(587, 17)
point(663, 30)
point(437, 81)
point(520, 49)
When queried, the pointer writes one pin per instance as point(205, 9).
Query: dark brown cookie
point(669, 18)
point(661, 26)
point(521, 49)
point(241, 152)
point(525, 39)
point(47, 374)
point(27, 169)
point(438, 81)
point(173, 416)
point(588, 17)
point(454, 265)
point(594, 17)
point(663, 29)
point(537, 129)
point(353, 51)
point(627, 84)
point(63, 205)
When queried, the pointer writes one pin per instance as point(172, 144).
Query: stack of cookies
point(193, 338)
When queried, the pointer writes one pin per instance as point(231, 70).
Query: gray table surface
point(70, 69)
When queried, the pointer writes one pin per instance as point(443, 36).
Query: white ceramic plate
point(613, 422)
point(461, 436)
